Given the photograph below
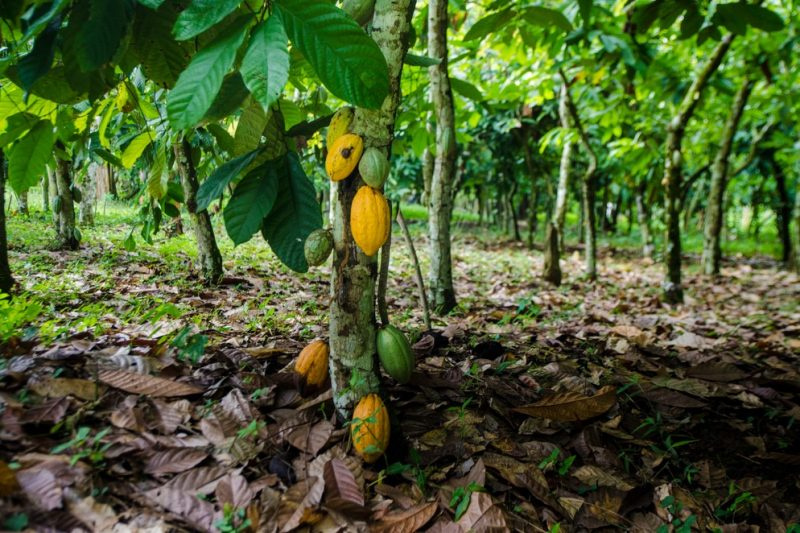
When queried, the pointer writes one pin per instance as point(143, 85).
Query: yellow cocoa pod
point(343, 156)
point(312, 364)
point(370, 428)
point(340, 123)
point(369, 220)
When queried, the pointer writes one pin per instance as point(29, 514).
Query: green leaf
point(27, 160)
point(252, 200)
point(489, 24)
point(215, 184)
point(294, 216)
point(199, 84)
point(762, 18)
point(414, 60)
point(107, 156)
point(249, 129)
point(221, 135)
point(347, 61)
point(152, 4)
point(134, 150)
point(156, 182)
point(162, 57)
point(265, 67)
point(543, 16)
point(15, 125)
point(732, 17)
point(36, 64)
point(102, 32)
point(201, 15)
point(466, 89)
point(229, 99)
point(586, 11)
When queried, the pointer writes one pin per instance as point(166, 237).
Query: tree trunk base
point(552, 256)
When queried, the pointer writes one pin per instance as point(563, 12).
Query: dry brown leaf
point(311, 439)
point(198, 513)
point(203, 479)
point(147, 385)
point(594, 475)
point(98, 516)
point(718, 371)
point(174, 460)
point(483, 515)
point(60, 387)
point(8, 481)
point(41, 488)
point(300, 503)
point(51, 411)
point(341, 491)
point(521, 475)
point(234, 489)
point(407, 521)
point(571, 406)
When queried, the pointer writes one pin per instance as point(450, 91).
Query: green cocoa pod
point(374, 168)
point(359, 10)
point(395, 353)
point(318, 246)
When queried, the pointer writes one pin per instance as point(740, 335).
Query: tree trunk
point(644, 221)
point(440, 201)
point(6, 280)
point(112, 181)
point(208, 257)
point(22, 202)
point(88, 196)
point(46, 192)
point(53, 192)
point(783, 208)
point(712, 251)
point(423, 297)
point(797, 231)
point(352, 304)
point(67, 238)
point(673, 162)
point(513, 212)
point(555, 229)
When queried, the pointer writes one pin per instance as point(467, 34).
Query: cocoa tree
point(6, 280)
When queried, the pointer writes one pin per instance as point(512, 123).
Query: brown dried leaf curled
point(147, 385)
point(572, 406)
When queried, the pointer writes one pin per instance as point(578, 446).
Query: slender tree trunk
point(712, 251)
point(797, 231)
point(53, 192)
point(112, 181)
point(46, 192)
point(423, 297)
point(22, 202)
point(513, 212)
point(673, 290)
point(88, 196)
point(352, 304)
point(67, 238)
point(6, 280)
point(587, 187)
point(440, 201)
point(644, 221)
point(555, 229)
point(208, 257)
point(783, 208)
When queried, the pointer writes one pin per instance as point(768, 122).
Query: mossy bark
point(353, 277)
point(673, 164)
point(67, 237)
point(712, 251)
point(6, 280)
point(208, 257)
point(440, 199)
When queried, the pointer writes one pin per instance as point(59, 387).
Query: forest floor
point(134, 398)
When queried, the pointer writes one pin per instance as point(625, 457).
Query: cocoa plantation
point(399, 265)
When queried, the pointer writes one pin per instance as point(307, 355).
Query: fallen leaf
point(60, 387)
point(147, 385)
point(407, 521)
point(341, 491)
point(41, 488)
point(571, 406)
point(174, 460)
point(483, 515)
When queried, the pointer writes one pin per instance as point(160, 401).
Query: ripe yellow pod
point(343, 156)
point(312, 364)
point(370, 428)
point(369, 220)
point(340, 123)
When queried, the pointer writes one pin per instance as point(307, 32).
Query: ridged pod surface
point(395, 353)
point(343, 156)
point(369, 220)
point(318, 246)
point(312, 364)
point(374, 168)
point(370, 428)
point(340, 123)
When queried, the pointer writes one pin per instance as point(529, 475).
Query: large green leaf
point(215, 184)
point(135, 148)
point(265, 67)
point(489, 24)
point(466, 89)
point(251, 202)
point(157, 174)
point(36, 63)
point(229, 99)
point(199, 84)
point(201, 15)
point(249, 129)
point(102, 32)
point(543, 16)
point(294, 216)
point(762, 18)
point(161, 56)
point(346, 59)
point(27, 160)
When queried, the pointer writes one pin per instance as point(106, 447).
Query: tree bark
point(440, 201)
point(53, 192)
point(644, 221)
point(22, 202)
point(587, 187)
point(797, 231)
point(67, 238)
point(6, 280)
point(352, 307)
point(673, 290)
point(423, 297)
point(555, 228)
point(712, 251)
point(88, 196)
point(783, 208)
point(208, 257)
point(46, 192)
